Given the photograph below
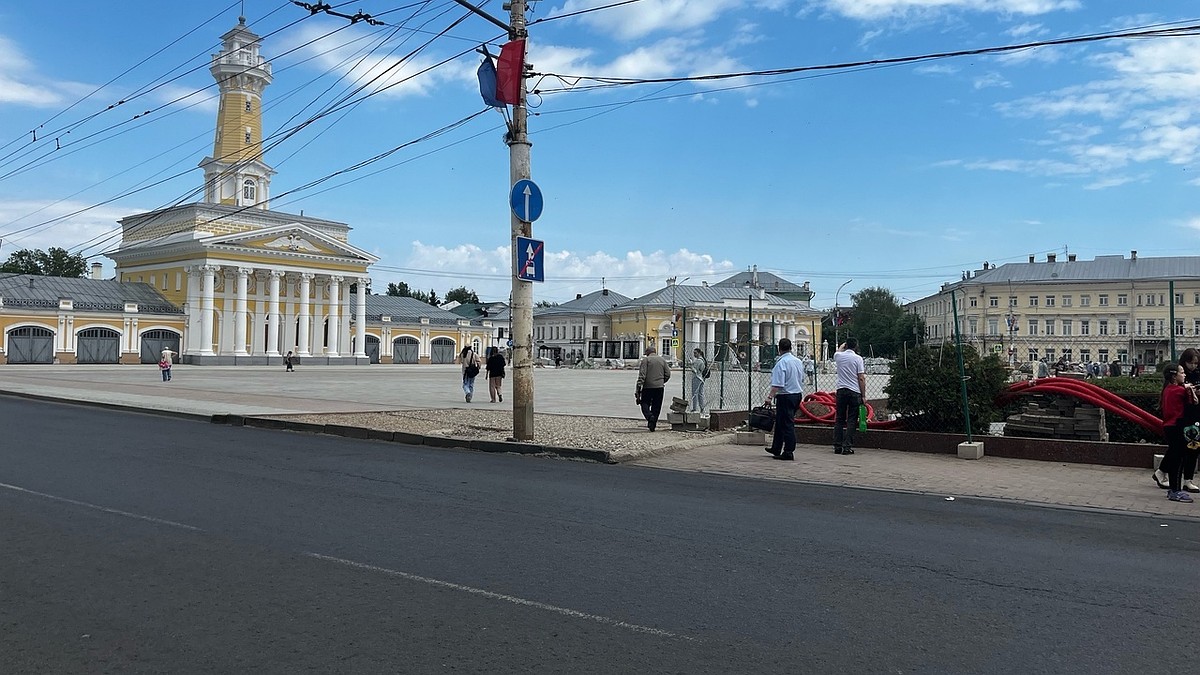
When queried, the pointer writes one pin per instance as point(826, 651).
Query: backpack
point(472, 367)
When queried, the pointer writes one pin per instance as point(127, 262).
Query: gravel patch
point(625, 439)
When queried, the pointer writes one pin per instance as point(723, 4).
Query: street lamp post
point(837, 319)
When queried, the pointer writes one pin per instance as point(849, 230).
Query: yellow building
point(227, 280)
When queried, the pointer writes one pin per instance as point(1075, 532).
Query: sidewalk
point(262, 390)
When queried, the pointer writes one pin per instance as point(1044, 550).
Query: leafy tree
point(925, 386)
point(399, 290)
point(545, 303)
point(880, 323)
point(433, 298)
point(54, 262)
point(462, 295)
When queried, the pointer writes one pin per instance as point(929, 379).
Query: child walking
point(1175, 397)
point(165, 366)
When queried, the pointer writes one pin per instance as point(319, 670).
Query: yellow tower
point(235, 174)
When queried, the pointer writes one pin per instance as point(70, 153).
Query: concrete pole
point(522, 291)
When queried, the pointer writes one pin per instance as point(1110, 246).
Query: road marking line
point(501, 596)
point(97, 507)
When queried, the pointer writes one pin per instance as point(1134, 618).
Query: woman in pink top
point(1175, 397)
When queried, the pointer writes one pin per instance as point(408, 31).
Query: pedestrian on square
point(851, 385)
point(1189, 362)
point(289, 363)
point(787, 388)
point(699, 368)
point(470, 369)
point(1176, 395)
point(495, 372)
point(164, 365)
point(653, 374)
point(168, 355)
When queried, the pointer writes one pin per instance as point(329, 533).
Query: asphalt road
point(137, 543)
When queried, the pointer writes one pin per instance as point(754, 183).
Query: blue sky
point(900, 176)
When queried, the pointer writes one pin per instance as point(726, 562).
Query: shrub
point(926, 388)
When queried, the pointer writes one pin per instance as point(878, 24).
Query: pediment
point(294, 240)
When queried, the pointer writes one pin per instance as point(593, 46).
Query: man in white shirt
point(851, 384)
point(787, 389)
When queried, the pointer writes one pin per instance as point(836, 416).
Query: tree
point(545, 303)
point(433, 298)
point(54, 262)
point(462, 295)
point(399, 290)
point(880, 323)
point(926, 387)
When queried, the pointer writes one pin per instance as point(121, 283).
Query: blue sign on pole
point(526, 200)
point(530, 256)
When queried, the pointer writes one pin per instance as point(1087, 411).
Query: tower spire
point(236, 174)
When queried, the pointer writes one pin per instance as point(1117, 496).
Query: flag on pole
point(487, 82)
point(510, 69)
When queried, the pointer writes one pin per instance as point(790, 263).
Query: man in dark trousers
point(787, 388)
point(653, 373)
point(851, 387)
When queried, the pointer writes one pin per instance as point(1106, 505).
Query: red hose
point(1088, 393)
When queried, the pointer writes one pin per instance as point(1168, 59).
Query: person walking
point(653, 374)
point(1176, 396)
point(495, 372)
point(851, 384)
point(470, 369)
point(1189, 362)
point(289, 363)
point(164, 365)
point(787, 388)
point(699, 368)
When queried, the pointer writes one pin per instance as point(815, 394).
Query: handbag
point(762, 418)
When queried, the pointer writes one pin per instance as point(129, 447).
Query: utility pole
point(522, 291)
point(521, 310)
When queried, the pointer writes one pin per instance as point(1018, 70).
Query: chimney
point(1051, 257)
point(1070, 257)
point(604, 292)
point(1133, 255)
point(1030, 258)
point(578, 296)
point(97, 270)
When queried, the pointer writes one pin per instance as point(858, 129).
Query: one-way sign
point(529, 259)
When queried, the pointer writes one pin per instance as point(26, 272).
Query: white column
point(335, 308)
point(239, 317)
point(192, 345)
point(273, 313)
point(360, 316)
point(710, 335)
point(302, 348)
point(207, 282)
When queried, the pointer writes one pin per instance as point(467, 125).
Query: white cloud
point(641, 18)
point(1026, 30)
point(883, 9)
point(19, 83)
point(487, 272)
point(67, 233)
point(989, 80)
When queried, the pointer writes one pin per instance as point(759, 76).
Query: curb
point(108, 406)
point(407, 438)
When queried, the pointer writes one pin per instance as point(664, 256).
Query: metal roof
point(681, 296)
point(409, 310)
point(596, 302)
point(765, 280)
point(1103, 268)
point(98, 295)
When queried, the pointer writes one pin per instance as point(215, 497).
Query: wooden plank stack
point(1058, 417)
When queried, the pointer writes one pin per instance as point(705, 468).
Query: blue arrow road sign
point(526, 200)
point(529, 259)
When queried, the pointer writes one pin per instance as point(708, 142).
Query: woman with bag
point(495, 372)
point(470, 369)
point(699, 373)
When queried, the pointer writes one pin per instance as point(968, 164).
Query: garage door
point(30, 344)
point(98, 345)
point(154, 341)
point(373, 348)
point(405, 349)
point(441, 350)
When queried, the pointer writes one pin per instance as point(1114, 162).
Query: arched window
point(249, 188)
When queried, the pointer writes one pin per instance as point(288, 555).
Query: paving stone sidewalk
point(1026, 481)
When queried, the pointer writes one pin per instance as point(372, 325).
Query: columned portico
point(302, 347)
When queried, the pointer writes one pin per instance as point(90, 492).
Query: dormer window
point(249, 189)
